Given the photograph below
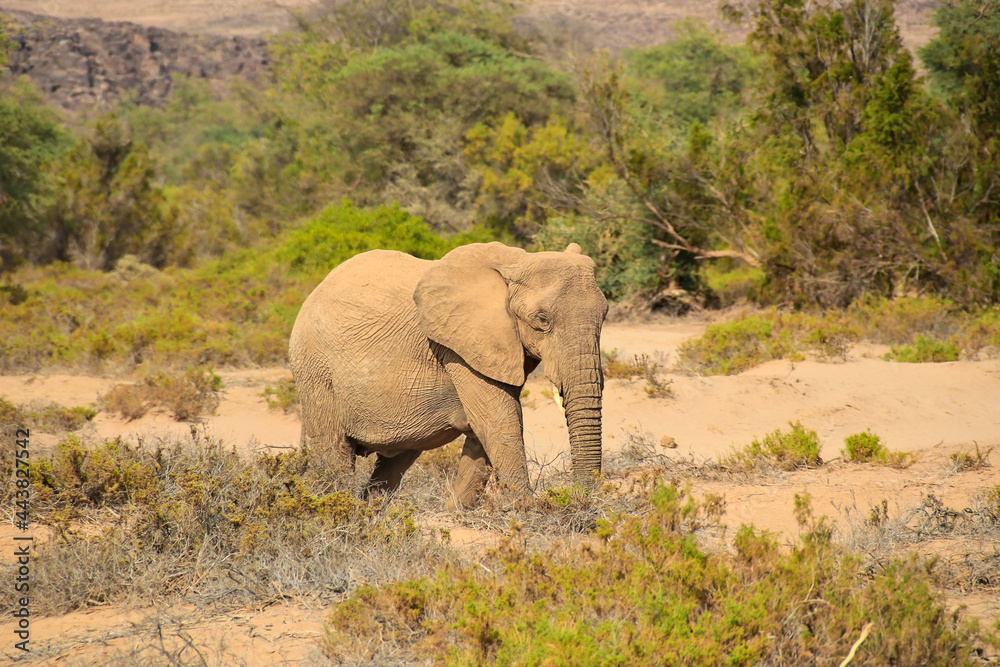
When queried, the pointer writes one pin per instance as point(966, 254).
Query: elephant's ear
point(574, 249)
point(462, 304)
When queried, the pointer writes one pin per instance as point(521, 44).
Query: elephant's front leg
point(494, 414)
point(473, 469)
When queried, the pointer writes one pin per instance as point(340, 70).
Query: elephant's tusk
point(558, 399)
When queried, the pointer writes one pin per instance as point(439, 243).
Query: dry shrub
point(970, 460)
point(282, 396)
point(617, 369)
point(44, 417)
point(196, 521)
point(186, 395)
point(427, 484)
point(641, 365)
point(963, 540)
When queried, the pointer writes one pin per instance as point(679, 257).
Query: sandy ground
point(932, 410)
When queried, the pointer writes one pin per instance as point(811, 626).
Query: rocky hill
point(79, 62)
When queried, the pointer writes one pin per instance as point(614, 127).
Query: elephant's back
point(374, 271)
point(373, 285)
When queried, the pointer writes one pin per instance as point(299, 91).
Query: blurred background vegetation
point(818, 165)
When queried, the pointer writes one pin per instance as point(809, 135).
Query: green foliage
point(863, 447)
point(194, 123)
point(644, 593)
point(111, 473)
point(624, 267)
point(402, 114)
point(6, 43)
point(31, 140)
point(341, 231)
point(728, 285)
point(854, 180)
point(798, 448)
point(515, 162)
point(108, 204)
point(646, 214)
point(733, 347)
point(924, 350)
point(912, 325)
point(371, 24)
point(818, 167)
point(868, 448)
point(10, 415)
point(963, 64)
point(693, 77)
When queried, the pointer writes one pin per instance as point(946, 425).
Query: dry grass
point(195, 392)
point(194, 521)
point(641, 365)
point(963, 542)
point(44, 417)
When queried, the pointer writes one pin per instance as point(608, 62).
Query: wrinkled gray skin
point(394, 355)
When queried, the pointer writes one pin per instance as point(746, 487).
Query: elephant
point(394, 355)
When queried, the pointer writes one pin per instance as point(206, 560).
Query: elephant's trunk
point(582, 400)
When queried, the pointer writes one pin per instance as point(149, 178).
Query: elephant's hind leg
point(388, 472)
point(323, 435)
point(473, 469)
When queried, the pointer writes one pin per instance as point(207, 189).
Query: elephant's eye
point(542, 320)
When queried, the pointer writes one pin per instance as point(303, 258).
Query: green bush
point(50, 418)
point(868, 448)
point(864, 447)
point(643, 593)
point(924, 350)
point(752, 339)
point(733, 347)
point(798, 448)
point(342, 230)
point(694, 76)
point(31, 142)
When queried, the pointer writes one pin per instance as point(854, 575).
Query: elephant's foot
point(388, 472)
point(473, 469)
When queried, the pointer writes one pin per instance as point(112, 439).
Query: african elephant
point(395, 355)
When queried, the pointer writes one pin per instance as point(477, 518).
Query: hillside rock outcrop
point(77, 63)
